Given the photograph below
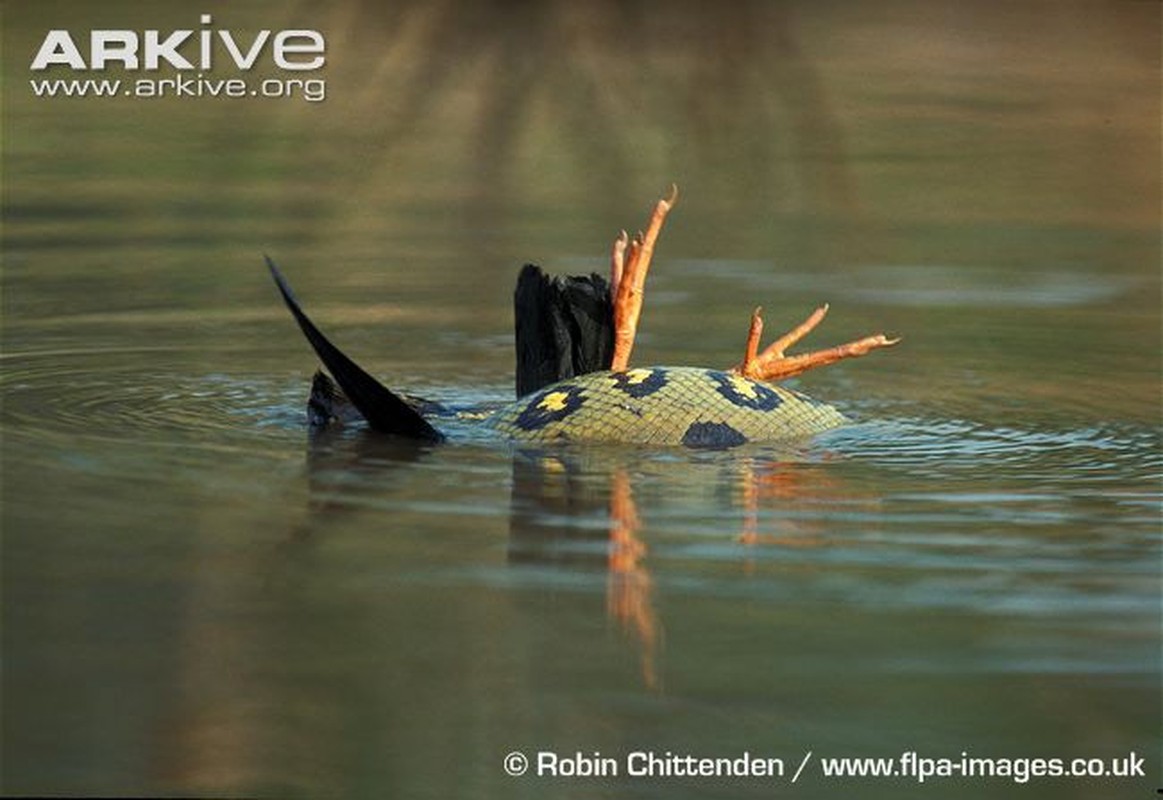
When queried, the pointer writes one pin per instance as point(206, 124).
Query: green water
point(199, 598)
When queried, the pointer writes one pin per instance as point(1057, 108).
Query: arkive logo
point(183, 63)
point(289, 49)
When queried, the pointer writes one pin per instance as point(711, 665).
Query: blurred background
point(1001, 136)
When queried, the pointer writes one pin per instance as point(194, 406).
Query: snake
point(689, 406)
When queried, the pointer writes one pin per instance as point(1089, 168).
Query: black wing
point(383, 410)
point(564, 327)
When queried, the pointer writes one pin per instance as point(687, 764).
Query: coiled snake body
point(664, 406)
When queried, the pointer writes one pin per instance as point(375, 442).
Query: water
point(202, 598)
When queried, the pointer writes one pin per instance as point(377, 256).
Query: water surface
point(201, 597)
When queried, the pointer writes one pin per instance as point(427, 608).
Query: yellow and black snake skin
point(664, 406)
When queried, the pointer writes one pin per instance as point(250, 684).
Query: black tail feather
point(383, 410)
point(564, 327)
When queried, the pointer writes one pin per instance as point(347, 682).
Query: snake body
point(664, 406)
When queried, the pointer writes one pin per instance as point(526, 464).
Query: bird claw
point(773, 365)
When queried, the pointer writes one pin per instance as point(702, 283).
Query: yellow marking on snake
point(743, 386)
point(636, 376)
point(554, 401)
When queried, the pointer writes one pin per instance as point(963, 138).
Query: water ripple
point(124, 393)
point(1107, 451)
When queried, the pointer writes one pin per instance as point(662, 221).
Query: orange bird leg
point(628, 295)
point(773, 365)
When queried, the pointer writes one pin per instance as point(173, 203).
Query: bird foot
point(773, 365)
point(629, 263)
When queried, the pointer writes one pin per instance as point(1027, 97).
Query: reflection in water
point(551, 493)
point(575, 510)
point(629, 595)
point(572, 509)
point(765, 482)
point(797, 491)
point(345, 464)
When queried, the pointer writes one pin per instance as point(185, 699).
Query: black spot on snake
point(712, 434)
point(744, 392)
point(640, 382)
